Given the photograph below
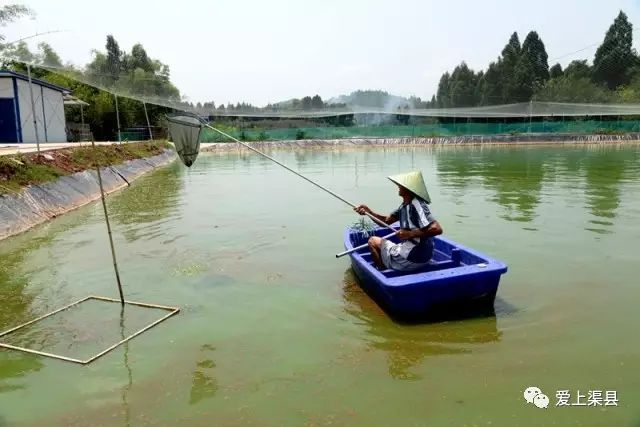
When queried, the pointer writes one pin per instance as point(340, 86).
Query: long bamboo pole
point(376, 220)
point(148, 122)
point(33, 108)
point(106, 217)
point(118, 119)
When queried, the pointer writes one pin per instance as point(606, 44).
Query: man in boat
point(417, 227)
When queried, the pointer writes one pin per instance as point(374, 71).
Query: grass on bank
point(21, 170)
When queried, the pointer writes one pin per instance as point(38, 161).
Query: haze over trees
point(131, 73)
point(520, 73)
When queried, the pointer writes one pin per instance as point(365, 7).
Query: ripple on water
point(247, 251)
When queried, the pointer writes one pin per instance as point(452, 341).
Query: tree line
point(522, 73)
point(133, 75)
point(306, 103)
point(140, 77)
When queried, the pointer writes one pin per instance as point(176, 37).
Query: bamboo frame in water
point(172, 311)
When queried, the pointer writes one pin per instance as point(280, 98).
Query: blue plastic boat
point(457, 277)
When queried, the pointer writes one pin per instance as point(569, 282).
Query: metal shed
point(17, 122)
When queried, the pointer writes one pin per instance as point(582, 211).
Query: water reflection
point(15, 300)
point(604, 172)
point(21, 304)
point(16, 307)
point(457, 168)
point(127, 388)
point(407, 346)
point(302, 158)
point(203, 383)
point(15, 365)
point(148, 201)
point(517, 176)
point(356, 176)
point(601, 171)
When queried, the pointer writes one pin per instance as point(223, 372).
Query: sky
point(266, 51)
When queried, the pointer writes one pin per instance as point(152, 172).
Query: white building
point(16, 116)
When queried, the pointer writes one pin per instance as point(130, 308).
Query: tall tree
point(615, 58)
point(306, 103)
point(491, 85)
point(368, 98)
point(534, 51)
point(114, 57)
point(523, 83)
point(139, 59)
point(462, 87)
point(316, 102)
point(416, 102)
point(10, 13)
point(511, 55)
point(512, 50)
point(573, 89)
point(578, 69)
point(479, 79)
point(20, 52)
point(48, 56)
point(556, 71)
point(443, 91)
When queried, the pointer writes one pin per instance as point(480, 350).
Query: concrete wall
point(39, 203)
point(438, 140)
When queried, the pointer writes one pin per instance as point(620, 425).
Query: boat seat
point(440, 261)
point(431, 266)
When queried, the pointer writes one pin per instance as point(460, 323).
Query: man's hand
point(362, 209)
point(404, 235)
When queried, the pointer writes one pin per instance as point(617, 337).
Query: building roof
point(7, 73)
point(72, 100)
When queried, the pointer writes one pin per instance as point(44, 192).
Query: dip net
point(185, 130)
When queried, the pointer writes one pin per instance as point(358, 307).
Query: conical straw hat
point(413, 182)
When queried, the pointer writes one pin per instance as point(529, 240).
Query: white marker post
point(118, 119)
point(33, 108)
point(148, 123)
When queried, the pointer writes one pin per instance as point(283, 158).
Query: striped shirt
point(413, 216)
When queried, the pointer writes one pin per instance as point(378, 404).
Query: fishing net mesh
point(148, 81)
point(184, 131)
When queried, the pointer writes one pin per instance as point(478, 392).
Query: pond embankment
point(519, 139)
point(36, 188)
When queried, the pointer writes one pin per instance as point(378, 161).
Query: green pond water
point(274, 330)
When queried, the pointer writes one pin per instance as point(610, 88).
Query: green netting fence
point(427, 130)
